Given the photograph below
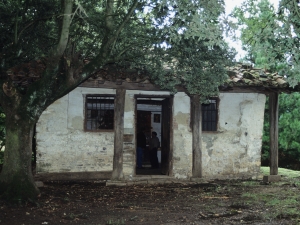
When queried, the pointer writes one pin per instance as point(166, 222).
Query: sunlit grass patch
point(115, 222)
point(281, 171)
point(279, 202)
point(250, 183)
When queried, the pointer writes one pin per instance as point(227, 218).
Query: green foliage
point(201, 69)
point(272, 38)
point(290, 123)
point(27, 29)
point(255, 19)
point(183, 36)
point(289, 131)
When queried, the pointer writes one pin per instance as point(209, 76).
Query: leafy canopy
point(176, 41)
point(272, 37)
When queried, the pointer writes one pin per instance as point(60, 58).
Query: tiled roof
point(242, 75)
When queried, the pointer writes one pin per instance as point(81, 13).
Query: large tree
point(257, 22)
point(49, 48)
point(271, 37)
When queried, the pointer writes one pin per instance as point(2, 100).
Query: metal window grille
point(209, 116)
point(99, 113)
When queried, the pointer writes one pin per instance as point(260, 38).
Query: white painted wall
point(232, 151)
point(182, 147)
point(62, 143)
point(236, 147)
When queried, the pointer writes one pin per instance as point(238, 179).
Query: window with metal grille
point(210, 115)
point(99, 113)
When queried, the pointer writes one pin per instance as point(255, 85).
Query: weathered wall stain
point(208, 142)
point(232, 151)
point(236, 151)
point(182, 147)
point(182, 118)
point(77, 123)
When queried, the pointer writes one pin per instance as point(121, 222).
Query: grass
point(282, 171)
point(115, 222)
point(283, 201)
point(249, 183)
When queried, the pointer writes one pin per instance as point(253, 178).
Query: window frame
point(217, 116)
point(86, 112)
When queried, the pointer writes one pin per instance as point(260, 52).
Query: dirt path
point(215, 202)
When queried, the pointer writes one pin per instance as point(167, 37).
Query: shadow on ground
point(214, 202)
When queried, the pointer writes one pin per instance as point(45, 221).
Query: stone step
point(144, 180)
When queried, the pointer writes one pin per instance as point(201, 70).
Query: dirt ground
point(213, 202)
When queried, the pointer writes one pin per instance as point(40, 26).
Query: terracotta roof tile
point(244, 75)
point(240, 75)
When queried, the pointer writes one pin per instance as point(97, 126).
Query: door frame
point(171, 99)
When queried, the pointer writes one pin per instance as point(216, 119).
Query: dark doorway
point(154, 114)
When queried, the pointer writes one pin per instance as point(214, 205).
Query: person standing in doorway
point(141, 146)
point(154, 145)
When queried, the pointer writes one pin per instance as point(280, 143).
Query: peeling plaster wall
point(231, 152)
point(62, 143)
point(234, 151)
point(182, 147)
point(64, 146)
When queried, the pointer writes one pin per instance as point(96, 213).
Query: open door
point(166, 135)
point(154, 114)
point(144, 124)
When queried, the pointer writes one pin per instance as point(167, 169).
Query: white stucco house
point(77, 136)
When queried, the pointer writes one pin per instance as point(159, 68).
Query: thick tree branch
point(109, 22)
point(68, 5)
point(112, 40)
point(126, 19)
point(38, 95)
point(103, 55)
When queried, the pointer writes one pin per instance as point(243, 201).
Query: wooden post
point(196, 121)
point(117, 173)
point(273, 108)
point(166, 138)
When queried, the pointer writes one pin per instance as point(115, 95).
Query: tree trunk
point(16, 179)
